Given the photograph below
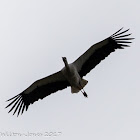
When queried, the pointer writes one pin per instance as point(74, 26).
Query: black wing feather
point(23, 100)
point(117, 41)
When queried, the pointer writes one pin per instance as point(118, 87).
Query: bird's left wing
point(38, 90)
point(99, 51)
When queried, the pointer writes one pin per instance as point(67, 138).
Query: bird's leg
point(84, 93)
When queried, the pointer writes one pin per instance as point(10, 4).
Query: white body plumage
point(71, 74)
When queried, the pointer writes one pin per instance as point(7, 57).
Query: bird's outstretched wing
point(97, 52)
point(38, 90)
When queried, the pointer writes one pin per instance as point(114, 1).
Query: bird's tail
point(74, 90)
point(83, 82)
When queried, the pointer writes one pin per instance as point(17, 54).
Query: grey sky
point(35, 34)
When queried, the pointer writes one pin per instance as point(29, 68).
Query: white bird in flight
point(71, 75)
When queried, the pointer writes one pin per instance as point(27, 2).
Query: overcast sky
point(35, 34)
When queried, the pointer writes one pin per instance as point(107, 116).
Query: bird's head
point(64, 59)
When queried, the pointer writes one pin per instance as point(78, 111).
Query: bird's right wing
point(99, 51)
point(38, 90)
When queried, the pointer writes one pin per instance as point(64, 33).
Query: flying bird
point(71, 75)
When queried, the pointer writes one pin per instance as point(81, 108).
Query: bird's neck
point(66, 64)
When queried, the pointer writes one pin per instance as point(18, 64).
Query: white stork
point(71, 75)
